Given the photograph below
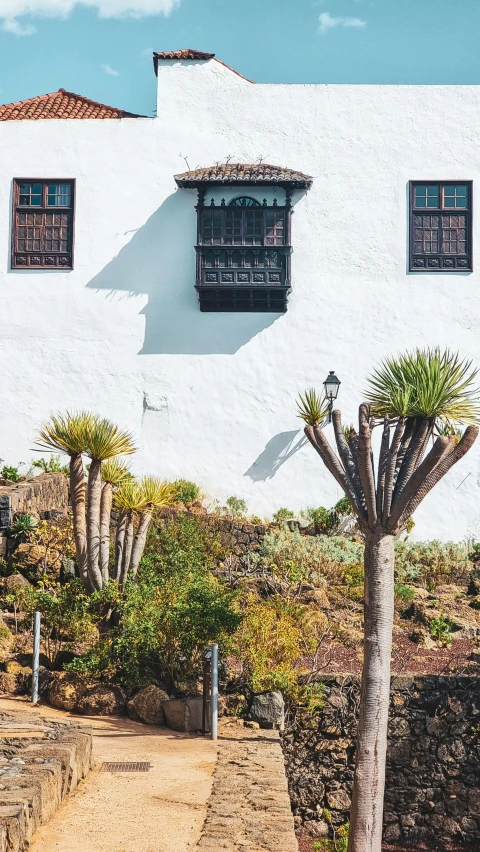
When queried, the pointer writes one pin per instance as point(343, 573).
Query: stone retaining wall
point(433, 765)
point(34, 497)
point(249, 806)
point(241, 536)
point(40, 763)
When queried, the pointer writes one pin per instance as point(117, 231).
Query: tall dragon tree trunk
point(366, 815)
point(127, 548)
point(78, 499)
point(105, 514)
point(140, 542)
point(119, 543)
point(93, 523)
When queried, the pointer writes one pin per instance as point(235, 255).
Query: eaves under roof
point(241, 174)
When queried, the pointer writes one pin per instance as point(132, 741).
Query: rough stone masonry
point(433, 762)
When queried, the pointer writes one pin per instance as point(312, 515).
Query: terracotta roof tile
point(188, 53)
point(184, 54)
point(60, 104)
point(242, 173)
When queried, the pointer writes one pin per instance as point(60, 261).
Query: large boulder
point(268, 709)
point(66, 690)
point(184, 714)
point(102, 700)
point(147, 705)
point(6, 641)
point(15, 580)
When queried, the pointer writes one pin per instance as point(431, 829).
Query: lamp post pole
point(36, 656)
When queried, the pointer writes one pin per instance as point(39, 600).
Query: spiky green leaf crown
point(312, 408)
point(430, 383)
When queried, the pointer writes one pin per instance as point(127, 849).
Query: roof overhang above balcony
point(243, 174)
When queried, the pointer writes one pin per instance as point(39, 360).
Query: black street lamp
point(331, 385)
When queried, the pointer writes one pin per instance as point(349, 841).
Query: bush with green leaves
point(326, 521)
point(440, 628)
point(51, 465)
point(23, 525)
point(10, 473)
point(403, 594)
point(299, 558)
point(184, 491)
point(430, 562)
point(68, 615)
point(235, 507)
point(282, 515)
point(339, 843)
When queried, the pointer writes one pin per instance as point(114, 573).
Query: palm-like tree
point(415, 397)
point(155, 494)
point(104, 441)
point(68, 433)
point(129, 500)
point(113, 473)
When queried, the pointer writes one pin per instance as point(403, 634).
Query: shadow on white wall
point(159, 261)
point(279, 449)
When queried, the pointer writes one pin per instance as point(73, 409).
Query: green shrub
point(235, 507)
point(326, 521)
point(184, 491)
point(68, 614)
point(10, 473)
point(431, 562)
point(282, 515)
point(23, 525)
point(404, 594)
point(354, 575)
point(272, 637)
point(440, 629)
point(339, 842)
point(51, 465)
point(298, 558)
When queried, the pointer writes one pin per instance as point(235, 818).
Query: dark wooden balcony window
point(42, 233)
point(243, 256)
point(441, 226)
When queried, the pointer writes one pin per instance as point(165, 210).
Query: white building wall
point(211, 397)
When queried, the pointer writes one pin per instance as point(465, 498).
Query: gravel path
point(162, 810)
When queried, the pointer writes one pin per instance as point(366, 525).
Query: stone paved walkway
point(249, 808)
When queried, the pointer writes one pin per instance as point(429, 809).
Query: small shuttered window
point(43, 212)
point(441, 226)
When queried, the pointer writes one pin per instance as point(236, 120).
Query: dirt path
point(162, 810)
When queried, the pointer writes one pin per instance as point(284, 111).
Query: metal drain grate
point(126, 767)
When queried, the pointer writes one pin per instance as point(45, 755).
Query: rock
point(147, 705)
point(338, 800)
point(184, 714)
point(102, 700)
point(6, 641)
point(44, 680)
point(314, 828)
point(15, 580)
point(268, 709)
point(9, 684)
point(422, 637)
point(66, 690)
point(253, 725)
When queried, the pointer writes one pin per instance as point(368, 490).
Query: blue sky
point(102, 48)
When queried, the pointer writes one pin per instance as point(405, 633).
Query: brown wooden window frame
point(42, 258)
point(438, 258)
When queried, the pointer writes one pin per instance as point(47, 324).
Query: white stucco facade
point(211, 397)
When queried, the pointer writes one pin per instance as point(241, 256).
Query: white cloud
point(328, 22)
point(12, 10)
point(111, 71)
point(10, 25)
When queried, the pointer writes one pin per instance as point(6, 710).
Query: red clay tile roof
point(60, 104)
point(242, 173)
point(184, 54)
point(188, 53)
